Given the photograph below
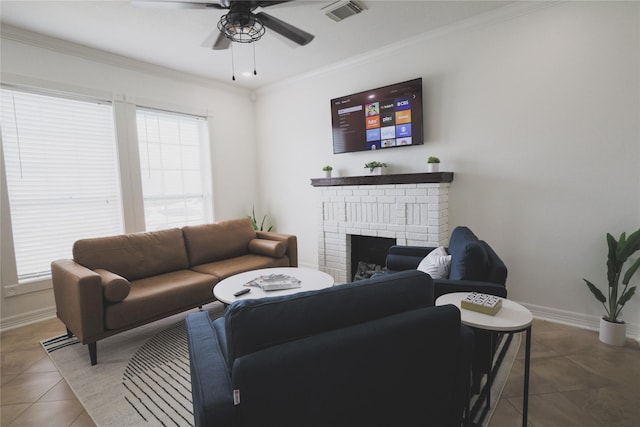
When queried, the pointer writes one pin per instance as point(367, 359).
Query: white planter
point(613, 333)
point(327, 174)
point(376, 171)
point(433, 167)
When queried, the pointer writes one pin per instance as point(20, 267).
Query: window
point(62, 176)
point(173, 166)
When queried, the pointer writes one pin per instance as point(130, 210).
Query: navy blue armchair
point(369, 353)
point(475, 267)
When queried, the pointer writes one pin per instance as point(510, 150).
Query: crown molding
point(21, 35)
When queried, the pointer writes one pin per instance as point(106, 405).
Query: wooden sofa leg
point(93, 353)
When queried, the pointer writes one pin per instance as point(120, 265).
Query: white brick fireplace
point(413, 213)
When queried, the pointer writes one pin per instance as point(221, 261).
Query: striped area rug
point(142, 377)
point(157, 378)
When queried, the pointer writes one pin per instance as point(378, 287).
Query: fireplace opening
point(368, 255)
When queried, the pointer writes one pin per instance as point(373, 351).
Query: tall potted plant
point(612, 327)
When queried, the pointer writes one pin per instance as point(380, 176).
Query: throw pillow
point(272, 248)
point(436, 264)
point(114, 288)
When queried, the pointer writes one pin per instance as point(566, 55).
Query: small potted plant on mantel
point(612, 328)
point(327, 170)
point(375, 168)
point(433, 164)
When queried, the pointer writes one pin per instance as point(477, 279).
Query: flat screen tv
point(386, 117)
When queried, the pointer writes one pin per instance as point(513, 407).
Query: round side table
point(511, 318)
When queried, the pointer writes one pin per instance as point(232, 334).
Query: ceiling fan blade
point(294, 34)
point(267, 3)
point(177, 4)
point(214, 41)
point(221, 42)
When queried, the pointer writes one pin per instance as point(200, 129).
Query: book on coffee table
point(275, 282)
point(483, 303)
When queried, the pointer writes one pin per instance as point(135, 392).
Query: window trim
point(124, 109)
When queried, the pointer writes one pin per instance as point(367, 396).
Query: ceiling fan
point(240, 24)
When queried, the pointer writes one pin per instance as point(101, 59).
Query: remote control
point(242, 292)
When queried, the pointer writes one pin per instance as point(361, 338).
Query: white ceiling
point(173, 37)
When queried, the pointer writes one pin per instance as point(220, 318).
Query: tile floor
point(575, 381)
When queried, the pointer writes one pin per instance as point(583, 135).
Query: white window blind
point(62, 176)
point(174, 169)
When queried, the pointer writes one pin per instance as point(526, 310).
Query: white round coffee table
point(310, 280)
point(511, 318)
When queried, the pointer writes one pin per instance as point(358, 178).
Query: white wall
point(66, 67)
point(538, 115)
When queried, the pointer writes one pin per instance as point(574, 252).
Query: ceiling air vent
point(340, 10)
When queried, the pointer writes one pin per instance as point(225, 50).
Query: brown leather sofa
point(117, 283)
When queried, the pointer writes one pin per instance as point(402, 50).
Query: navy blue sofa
point(369, 353)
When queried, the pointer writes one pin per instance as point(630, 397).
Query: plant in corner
point(254, 222)
point(619, 292)
point(372, 166)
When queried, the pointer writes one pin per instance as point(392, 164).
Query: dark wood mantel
point(405, 178)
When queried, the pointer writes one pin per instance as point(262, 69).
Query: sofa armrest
point(402, 258)
point(78, 295)
point(289, 240)
point(446, 286)
point(210, 378)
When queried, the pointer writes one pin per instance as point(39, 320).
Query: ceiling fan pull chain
point(255, 73)
point(233, 67)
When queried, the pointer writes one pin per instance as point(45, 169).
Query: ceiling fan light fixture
point(241, 27)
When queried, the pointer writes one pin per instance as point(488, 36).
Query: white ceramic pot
point(327, 174)
point(376, 171)
point(613, 333)
point(433, 167)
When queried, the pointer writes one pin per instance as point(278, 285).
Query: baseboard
point(579, 320)
point(28, 318)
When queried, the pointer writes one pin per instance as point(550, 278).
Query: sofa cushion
point(114, 288)
point(468, 256)
point(160, 296)
point(229, 267)
point(272, 248)
point(134, 256)
point(214, 242)
point(436, 264)
point(255, 324)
